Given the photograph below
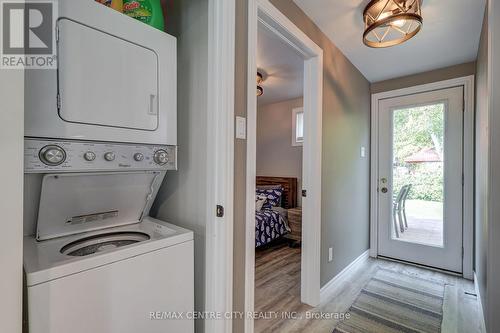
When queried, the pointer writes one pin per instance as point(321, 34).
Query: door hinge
point(58, 101)
point(463, 252)
point(220, 211)
point(57, 33)
point(304, 193)
point(463, 179)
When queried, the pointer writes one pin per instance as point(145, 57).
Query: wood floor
point(277, 290)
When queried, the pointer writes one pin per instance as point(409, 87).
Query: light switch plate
point(241, 128)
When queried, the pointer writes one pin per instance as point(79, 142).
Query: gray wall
point(494, 217)
point(11, 199)
point(240, 103)
point(346, 127)
point(345, 176)
point(275, 154)
point(487, 228)
point(426, 77)
point(182, 198)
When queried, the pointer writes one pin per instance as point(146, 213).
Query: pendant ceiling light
point(260, 79)
point(391, 22)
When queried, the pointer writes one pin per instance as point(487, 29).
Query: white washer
point(94, 259)
point(110, 281)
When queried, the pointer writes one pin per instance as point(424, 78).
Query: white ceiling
point(450, 36)
point(282, 66)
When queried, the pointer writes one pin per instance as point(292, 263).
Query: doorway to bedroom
point(283, 170)
point(278, 194)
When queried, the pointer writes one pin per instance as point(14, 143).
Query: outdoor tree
point(416, 129)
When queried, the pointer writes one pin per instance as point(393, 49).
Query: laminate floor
point(277, 295)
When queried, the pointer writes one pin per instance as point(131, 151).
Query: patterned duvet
point(269, 225)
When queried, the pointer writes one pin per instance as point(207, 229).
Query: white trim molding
point(480, 305)
point(264, 13)
point(251, 168)
point(468, 159)
point(343, 275)
point(220, 166)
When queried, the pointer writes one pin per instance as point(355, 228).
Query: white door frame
point(11, 203)
point(468, 167)
point(263, 12)
point(220, 164)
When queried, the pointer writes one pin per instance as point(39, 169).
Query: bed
point(271, 220)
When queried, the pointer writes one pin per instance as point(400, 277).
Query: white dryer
point(115, 80)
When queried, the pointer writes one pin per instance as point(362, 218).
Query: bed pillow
point(273, 197)
point(273, 187)
point(260, 200)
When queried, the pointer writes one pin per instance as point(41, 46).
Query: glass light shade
point(391, 22)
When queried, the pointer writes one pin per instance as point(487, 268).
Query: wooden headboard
point(289, 185)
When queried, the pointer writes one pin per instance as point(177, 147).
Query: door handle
point(152, 105)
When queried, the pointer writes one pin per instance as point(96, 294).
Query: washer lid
point(76, 203)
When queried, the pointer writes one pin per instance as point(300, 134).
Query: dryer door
point(105, 80)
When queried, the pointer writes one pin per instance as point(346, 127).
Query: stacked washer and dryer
point(100, 135)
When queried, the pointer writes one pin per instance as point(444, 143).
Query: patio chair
point(403, 204)
point(397, 211)
point(399, 207)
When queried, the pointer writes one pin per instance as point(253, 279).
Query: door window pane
point(418, 174)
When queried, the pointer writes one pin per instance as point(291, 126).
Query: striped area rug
point(395, 302)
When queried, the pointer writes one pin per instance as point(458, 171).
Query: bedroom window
point(297, 127)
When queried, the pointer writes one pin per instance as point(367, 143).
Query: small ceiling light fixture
point(260, 79)
point(391, 22)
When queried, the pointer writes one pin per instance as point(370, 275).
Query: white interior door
point(420, 178)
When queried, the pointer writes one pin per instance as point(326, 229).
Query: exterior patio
point(425, 223)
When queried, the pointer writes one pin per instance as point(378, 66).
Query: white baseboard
point(480, 304)
point(344, 274)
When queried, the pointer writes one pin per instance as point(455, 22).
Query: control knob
point(89, 156)
point(109, 156)
point(161, 157)
point(138, 157)
point(52, 155)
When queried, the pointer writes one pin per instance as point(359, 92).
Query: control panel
point(78, 156)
